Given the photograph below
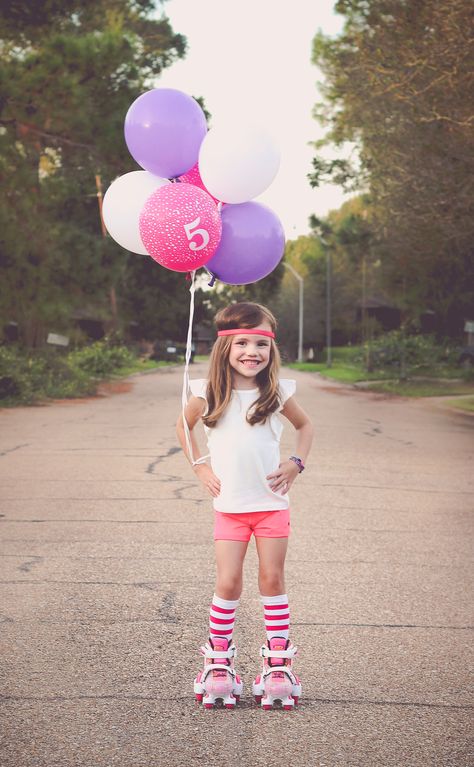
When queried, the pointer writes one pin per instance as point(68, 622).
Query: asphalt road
point(107, 571)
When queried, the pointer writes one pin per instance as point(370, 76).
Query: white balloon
point(123, 203)
point(238, 163)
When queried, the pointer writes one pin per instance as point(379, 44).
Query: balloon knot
point(188, 276)
point(211, 283)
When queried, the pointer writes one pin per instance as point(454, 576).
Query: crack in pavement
point(108, 521)
point(396, 488)
point(135, 584)
point(386, 625)
point(26, 567)
point(151, 466)
point(12, 450)
point(188, 700)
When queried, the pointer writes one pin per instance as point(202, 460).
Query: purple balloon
point(251, 246)
point(164, 129)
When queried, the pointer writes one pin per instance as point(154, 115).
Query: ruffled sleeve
point(198, 387)
point(287, 389)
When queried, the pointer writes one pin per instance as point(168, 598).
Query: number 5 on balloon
point(192, 231)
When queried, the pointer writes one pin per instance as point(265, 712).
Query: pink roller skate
point(218, 680)
point(277, 681)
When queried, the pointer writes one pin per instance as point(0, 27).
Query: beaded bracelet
point(298, 462)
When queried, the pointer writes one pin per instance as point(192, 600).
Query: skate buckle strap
point(284, 669)
point(208, 652)
point(266, 653)
point(217, 667)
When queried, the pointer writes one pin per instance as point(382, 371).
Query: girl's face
point(249, 355)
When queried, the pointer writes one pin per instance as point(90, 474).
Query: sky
point(251, 61)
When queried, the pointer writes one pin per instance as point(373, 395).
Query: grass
point(435, 381)
point(343, 369)
point(466, 403)
point(412, 388)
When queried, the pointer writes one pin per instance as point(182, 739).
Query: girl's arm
point(193, 413)
point(285, 475)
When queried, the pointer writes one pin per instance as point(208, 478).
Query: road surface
point(107, 573)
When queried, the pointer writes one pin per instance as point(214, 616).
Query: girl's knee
point(271, 582)
point(229, 587)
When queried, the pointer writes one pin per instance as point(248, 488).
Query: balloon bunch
point(192, 204)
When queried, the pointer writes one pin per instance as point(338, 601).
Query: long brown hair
point(219, 387)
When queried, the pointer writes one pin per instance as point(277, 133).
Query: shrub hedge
point(29, 376)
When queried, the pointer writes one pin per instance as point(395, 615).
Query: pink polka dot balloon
point(180, 227)
point(194, 177)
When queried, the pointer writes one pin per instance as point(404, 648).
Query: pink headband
point(246, 332)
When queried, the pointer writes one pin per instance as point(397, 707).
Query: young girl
point(238, 405)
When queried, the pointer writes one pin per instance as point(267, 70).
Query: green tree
point(306, 256)
point(262, 292)
point(68, 73)
point(399, 82)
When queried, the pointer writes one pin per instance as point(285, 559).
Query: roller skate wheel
point(296, 699)
point(209, 705)
point(258, 698)
point(267, 707)
point(288, 708)
point(230, 705)
point(199, 697)
point(237, 698)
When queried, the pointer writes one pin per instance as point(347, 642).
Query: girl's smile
point(249, 354)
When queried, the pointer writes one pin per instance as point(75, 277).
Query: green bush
point(101, 358)
point(396, 351)
point(28, 376)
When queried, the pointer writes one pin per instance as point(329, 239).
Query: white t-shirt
point(243, 455)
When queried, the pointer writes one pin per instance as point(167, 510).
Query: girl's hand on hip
point(208, 479)
point(282, 479)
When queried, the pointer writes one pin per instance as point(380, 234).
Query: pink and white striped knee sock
point(222, 617)
point(277, 616)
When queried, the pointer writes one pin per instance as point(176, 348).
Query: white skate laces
point(218, 680)
point(277, 682)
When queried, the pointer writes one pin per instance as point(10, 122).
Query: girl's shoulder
point(287, 388)
point(198, 387)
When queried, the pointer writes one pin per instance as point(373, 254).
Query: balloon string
point(184, 396)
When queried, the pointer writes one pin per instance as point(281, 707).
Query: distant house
point(376, 307)
point(90, 323)
point(203, 338)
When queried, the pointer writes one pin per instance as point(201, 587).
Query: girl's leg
point(271, 581)
point(276, 680)
point(230, 557)
point(229, 560)
point(218, 679)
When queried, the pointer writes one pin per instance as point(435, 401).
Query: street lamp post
point(326, 247)
point(300, 323)
point(328, 308)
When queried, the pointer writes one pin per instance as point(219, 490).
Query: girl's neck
point(241, 383)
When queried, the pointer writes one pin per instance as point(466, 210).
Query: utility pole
point(300, 319)
point(112, 294)
point(327, 249)
point(328, 308)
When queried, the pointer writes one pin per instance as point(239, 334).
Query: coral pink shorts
point(263, 524)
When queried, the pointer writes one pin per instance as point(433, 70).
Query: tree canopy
point(399, 81)
point(68, 73)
